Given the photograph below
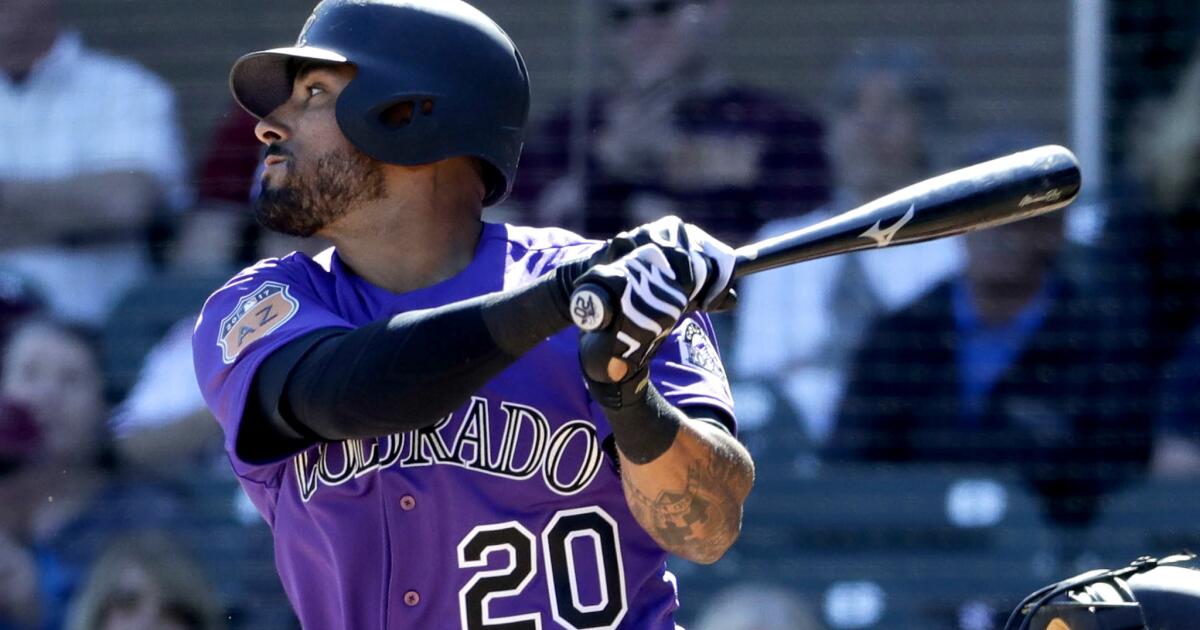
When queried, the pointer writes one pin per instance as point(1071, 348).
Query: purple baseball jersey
point(507, 513)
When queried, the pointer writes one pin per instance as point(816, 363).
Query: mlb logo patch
point(255, 316)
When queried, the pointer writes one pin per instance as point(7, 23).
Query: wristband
point(644, 424)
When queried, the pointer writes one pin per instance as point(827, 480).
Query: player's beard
point(306, 202)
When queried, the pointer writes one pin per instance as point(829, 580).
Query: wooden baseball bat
point(999, 191)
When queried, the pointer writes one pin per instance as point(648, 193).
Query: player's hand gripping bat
point(1007, 189)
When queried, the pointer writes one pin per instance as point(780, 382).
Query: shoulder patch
point(255, 316)
point(697, 350)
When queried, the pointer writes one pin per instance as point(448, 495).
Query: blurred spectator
point(145, 582)
point(1153, 233)
point(89, 149)
point(53, 369)
point(1177, 436)
point(163, 424)
point(60, 503)
point(757, 607)
point(1012, 363)
point(799, 325)
point(673, 135)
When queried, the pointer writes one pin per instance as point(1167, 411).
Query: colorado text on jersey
point(567, 458)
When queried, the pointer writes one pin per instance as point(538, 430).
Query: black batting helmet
point(455, 78)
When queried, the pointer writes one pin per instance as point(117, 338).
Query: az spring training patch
point(256, 315)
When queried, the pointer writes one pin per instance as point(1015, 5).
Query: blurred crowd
point(1071, 365)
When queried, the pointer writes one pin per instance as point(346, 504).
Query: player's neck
point(401, 248)
point(423, 230)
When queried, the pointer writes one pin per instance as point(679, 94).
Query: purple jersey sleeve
point(255, 313)
point(687, 369)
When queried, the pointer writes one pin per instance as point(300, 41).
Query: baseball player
point(407, 410)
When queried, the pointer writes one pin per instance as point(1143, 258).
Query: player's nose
point(270, 130)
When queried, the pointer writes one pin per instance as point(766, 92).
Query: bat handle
point(591, 307)
point(592, 312)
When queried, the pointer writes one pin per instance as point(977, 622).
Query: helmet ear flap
point(398, 128)
point(404, 110)
point(397, 115)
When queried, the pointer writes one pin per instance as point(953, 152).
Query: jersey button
point(407, 502)
point(412, 598)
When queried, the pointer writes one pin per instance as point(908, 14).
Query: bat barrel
point(1007, 189)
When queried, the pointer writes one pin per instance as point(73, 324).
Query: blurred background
point(938, 429)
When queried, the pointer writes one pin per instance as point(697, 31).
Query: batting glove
point(655, 285)
point(711, 260)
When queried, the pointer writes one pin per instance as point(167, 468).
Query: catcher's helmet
point(435, 79)
point(1149, 594)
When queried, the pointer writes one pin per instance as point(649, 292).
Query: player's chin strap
point(1025, 612)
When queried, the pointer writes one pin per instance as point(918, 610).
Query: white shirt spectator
point(801, 324)
point(166, 390)
point(80, 112)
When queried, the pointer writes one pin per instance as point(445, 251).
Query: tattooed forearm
point(695, 513)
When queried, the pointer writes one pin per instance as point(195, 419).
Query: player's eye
point(314, 90)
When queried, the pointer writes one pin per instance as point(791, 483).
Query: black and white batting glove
point(711, 260)
point(653, 285)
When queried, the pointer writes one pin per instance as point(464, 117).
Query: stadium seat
point(912, 546)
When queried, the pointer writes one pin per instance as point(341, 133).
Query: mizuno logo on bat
point(882, 237)
point(1050, 196)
